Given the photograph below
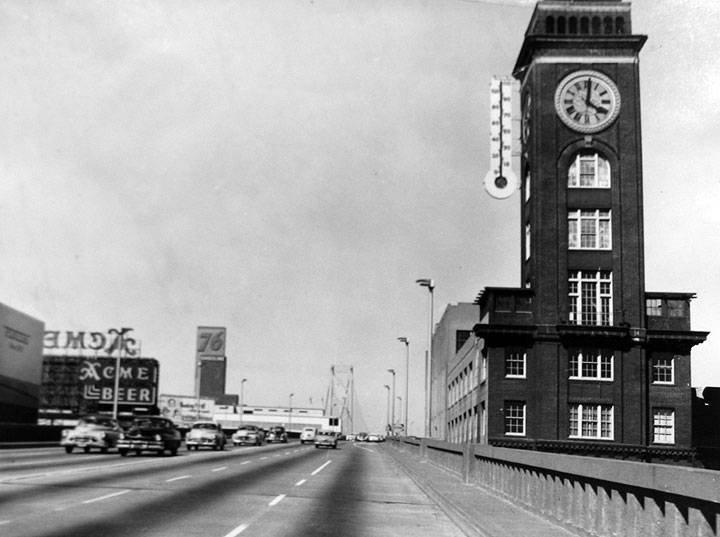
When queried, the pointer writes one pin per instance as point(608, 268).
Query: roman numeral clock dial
point(587, 101)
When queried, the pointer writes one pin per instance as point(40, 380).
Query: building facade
point(582, 358)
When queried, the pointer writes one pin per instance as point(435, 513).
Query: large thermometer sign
point(500, 181)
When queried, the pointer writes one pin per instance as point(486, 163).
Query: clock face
point(587, 101)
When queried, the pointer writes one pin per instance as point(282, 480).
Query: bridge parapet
point(590, 495)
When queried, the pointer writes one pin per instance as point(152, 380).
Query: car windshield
point(204, 426)
point(150, 423)
point(93, 420)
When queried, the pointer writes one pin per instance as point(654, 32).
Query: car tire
point(69, 449)
point(86, 449)
point(123, 452)
point(189, 448)
point(104, 449)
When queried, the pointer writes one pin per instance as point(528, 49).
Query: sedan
point(150, 434)
point(98, 432)
point(326, 439)
point(205, 434)
point(248, 434)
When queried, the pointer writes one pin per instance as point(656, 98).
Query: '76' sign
point(211, 341)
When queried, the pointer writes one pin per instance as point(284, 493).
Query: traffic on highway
point(279, 489)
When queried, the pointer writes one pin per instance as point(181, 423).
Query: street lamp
point(242, 399)
point(407, 377)
point(392, 412)
point(290, 416)
point(400, 406)
point(387, 413)
point(427, 282)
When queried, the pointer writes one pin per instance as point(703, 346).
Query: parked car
point(99, 432)
point(248, 434)
point(372, 437)
point(277, 434)
point(326, 439)
point(361, 437)
point(205, 434)
point(308, 435)
point(151, 433)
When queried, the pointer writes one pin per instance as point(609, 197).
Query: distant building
point(21, 350)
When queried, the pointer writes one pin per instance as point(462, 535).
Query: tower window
point(515, 364)
point(663, 371)
point(584, 25)
point(515, 418)
point(589, 230)
point(550, 25)
point(591, 421)
point(591, 365)
point(561, 25)
point(590, 295)
point(589, 170)
point(596, 25)
point(608, 25)
point(528, 235)
point(572, 25)
point(619, 25)
point(653, 307)
point(664, 426)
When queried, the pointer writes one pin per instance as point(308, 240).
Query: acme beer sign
point(138, 380)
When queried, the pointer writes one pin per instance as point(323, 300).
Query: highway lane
point(275, 491)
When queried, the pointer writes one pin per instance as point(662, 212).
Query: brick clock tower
point(581, 358)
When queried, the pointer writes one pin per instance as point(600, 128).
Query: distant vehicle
point(326, 439)
point(374, 438)
point(99, 432)
point(277, 434)
point(308, 435)
point(350, 437)
point(205, 434)
point(361, 437)
point(151, 433)
point(248, 434)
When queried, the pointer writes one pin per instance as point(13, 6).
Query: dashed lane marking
point(277, 500)
point(178, 478)
point(219, 469)
point(321, 468)
point(300, 482)
point(237, 531)
point(113, 495)
point(245, 462)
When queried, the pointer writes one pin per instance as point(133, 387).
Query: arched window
point(584, 25)
point(561, 25)
point(572, 25)
point(550, 25)
point(596, 25)
point(608, 25)
point(589, 170)
point(619, 25)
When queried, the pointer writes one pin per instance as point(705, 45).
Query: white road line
point(300, 482)
point(5, 522)
point(107, 496)
point(263, 458)
point(219, 469)
point(277, 500)
point(320, 469)
point(245, 462)
point(176, 478)
point(237, 531)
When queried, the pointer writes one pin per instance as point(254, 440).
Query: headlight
point(158, 437)
point(121, 436)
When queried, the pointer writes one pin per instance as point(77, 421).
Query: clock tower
point(577, 359)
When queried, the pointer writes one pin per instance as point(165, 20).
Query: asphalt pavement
point(475, 510)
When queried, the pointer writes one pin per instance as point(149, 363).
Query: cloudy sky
point(288, 169)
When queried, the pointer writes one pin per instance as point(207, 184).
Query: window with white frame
point(590, 294)
point(591, 421)
point(515, 364)
point(591, 365)
point(589, 170)
point(663, 370)
point(589, 229)
point(664, 426)
point(515, 418)
point(527, 186)
point(527, 241)
point(653, 307)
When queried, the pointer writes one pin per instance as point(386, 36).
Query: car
point(308, 435)
point(350, 437)
point(205, 434)
point(248, 434)
point(277, 434)
point(326, 439)
point(361, 437)
point(98, 432)
point(372, 437)
point(150, 433)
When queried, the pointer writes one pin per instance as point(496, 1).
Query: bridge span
point(584, 495)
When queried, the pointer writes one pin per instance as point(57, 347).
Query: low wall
point(592, 496)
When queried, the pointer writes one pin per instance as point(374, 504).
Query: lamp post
point(290, 416)
point(407, 378)
point(242, 399)
point(392, 411)
point(400, 405)
point(387, 412)
point(427, 282)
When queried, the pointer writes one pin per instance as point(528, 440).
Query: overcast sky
point(288, 169)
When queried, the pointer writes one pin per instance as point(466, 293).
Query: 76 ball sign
point(211, 342)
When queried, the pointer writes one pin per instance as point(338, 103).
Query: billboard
point(21, 345)
point(184, 409)
point(210, 365)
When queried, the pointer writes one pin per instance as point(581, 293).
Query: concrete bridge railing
point(588, 495)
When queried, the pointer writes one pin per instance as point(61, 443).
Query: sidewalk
point(476, 511)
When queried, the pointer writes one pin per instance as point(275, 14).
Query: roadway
point(273, 490)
